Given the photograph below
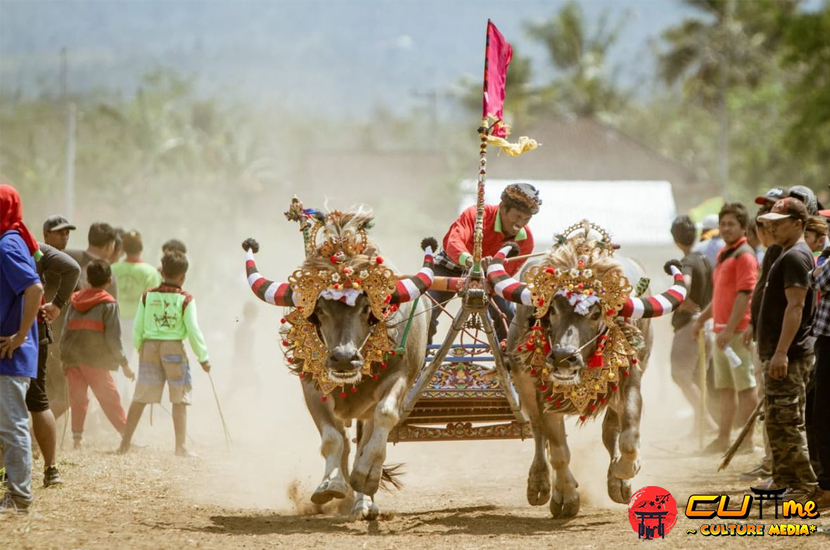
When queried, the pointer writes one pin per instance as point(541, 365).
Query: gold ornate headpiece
point(341, 263)
point(578, 283)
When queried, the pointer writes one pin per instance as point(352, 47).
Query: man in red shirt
point(734, 280)
point(504, 222)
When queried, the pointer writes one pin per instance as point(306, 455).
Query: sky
point(318, 56)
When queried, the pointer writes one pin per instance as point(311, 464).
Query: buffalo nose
point(566, 354)
point(344, 356)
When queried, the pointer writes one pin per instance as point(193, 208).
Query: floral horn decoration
point(278, 294)
point(410, 288)
point(662, 304)
point(503, 284)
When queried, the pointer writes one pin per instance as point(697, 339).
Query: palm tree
point(731, 44)
point(584, 87)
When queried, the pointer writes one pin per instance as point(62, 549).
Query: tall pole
point(71, 118)
point(724, 92)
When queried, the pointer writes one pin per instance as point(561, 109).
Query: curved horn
point(278, 294)
point(411, 288)
point(662, 304)
point(503, 284)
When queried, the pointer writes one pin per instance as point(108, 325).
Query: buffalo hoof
point(564, 507)
point(538, 489)
point(330, 489)
point(624, 469)
point(619, 490)
point(364, 508)
point(366, 478)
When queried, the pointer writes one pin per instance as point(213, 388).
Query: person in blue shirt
point(20, 299)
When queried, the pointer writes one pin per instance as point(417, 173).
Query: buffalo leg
point(334, 447)
point(368, 466)
point(564, 499)
point(538, 478)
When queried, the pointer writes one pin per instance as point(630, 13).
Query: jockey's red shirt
point(458, 242)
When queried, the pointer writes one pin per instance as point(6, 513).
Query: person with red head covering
point(20, 298)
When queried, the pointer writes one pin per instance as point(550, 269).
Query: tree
point(583, 86)
point(729, 47)
point(808, 54)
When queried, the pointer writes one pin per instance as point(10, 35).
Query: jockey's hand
point(485, 263)
point(469, 263)
point(206, 366)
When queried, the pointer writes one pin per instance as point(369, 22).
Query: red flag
point(499, 53)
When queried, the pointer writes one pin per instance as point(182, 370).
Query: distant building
point(582, 149)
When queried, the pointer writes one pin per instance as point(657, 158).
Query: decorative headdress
point(523, 194)
point(340, 265)
point(617, 342)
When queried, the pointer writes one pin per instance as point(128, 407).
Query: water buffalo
point(360, 371)
point(578, 344)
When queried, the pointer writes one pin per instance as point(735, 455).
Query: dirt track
point(457, 495)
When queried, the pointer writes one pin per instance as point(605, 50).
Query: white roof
point(633, 212)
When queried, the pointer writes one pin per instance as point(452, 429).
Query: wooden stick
point(727, 458)
point(526, 256)
point(704, 413)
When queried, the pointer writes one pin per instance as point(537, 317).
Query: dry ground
point(457, 495)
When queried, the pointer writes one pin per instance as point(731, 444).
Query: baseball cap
point(709, 222)
point(773, 195)
point(786, 208)
point(806, 195)
point(56, 223)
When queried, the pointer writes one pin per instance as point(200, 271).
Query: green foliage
point(579, 54)
point(808, 57)
point(761, 60)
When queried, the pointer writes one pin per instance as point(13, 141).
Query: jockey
point(505, 222)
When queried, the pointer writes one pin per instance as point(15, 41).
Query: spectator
point(56, 232)
point(118, 250)
point(786, 348)
point(165, 317)
point(503, 222)
point(821, 407)
point(101, 245)
point(20, 298)
point(173, 245)
point(710, 239)
point(806, 196)
point(763, 470)
point(815, 233)
point(62, 272)
point(685, 352)
point(754, 241)
point(734, 279)
point(134, 277)
point(91, 347)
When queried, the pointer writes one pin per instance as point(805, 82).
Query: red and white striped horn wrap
point(410, 288)
point(504, 285)
point(656, 306)
point(278, 294)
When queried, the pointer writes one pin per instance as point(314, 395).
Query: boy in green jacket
point(166, 315)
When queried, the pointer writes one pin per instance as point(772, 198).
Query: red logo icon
point(652, 512)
